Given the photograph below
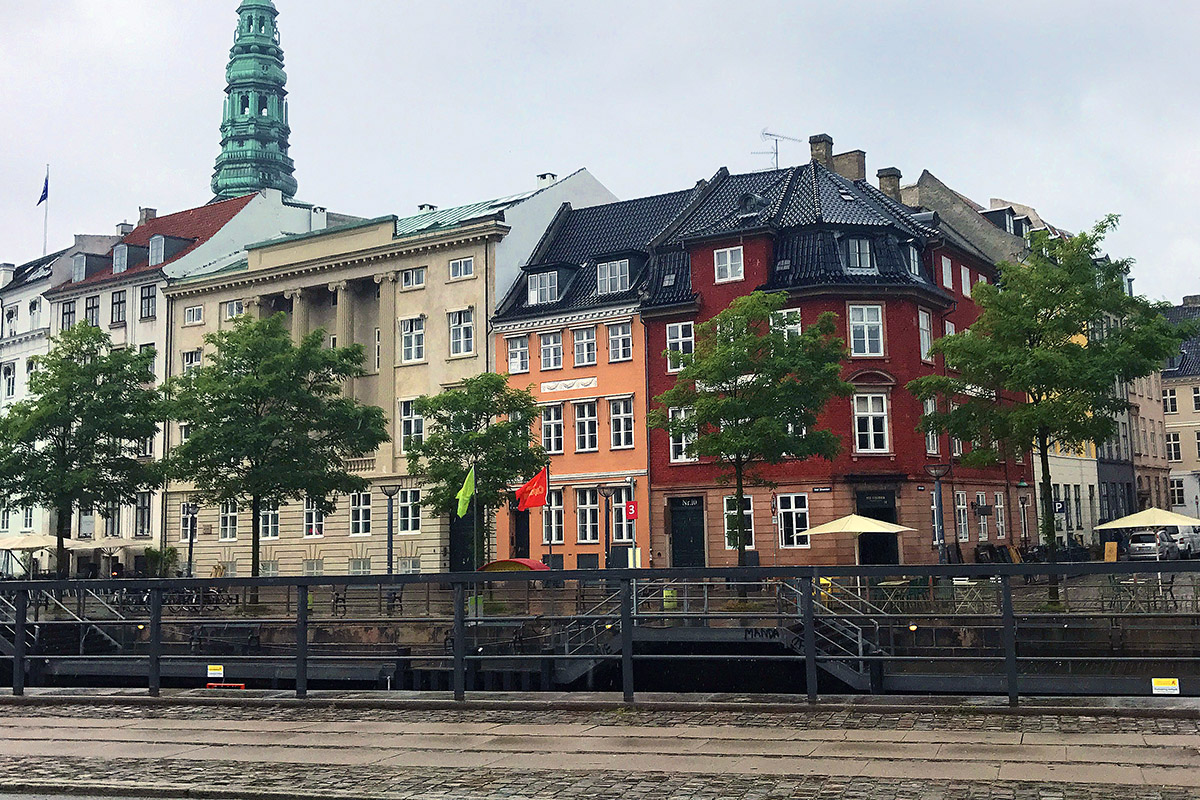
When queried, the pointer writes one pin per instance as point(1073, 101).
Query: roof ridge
point(819, 214)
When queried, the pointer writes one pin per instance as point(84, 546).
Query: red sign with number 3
point(631, 509)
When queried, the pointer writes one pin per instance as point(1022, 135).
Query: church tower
point(254, 126)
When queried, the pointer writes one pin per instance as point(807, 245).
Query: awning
point(1150, 518)
point(513, 565)
point(856, 524)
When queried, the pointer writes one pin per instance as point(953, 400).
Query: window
point(191, 360)
point(1066, 505)
point(925, 326)
point(118, 307)
point(412, 340)
point(585, 346)
point(552, 350)
point(552, 429)
point(961, 519)
point(68, 314)
point(679, 340)
point(931, 437)
point(620, 342)
point(378, 348)
point(552, 518)
point(980, 502)
point(408, 511)
point(914, 260)
point(858, 255)
point(866, 330)
point(1174, 451)
point(587, 515)
point(412, 425)
point(622, 529)
point(228, 521)
point(586, 427)
point(518, 354)
point(91, 311)
point(146, 447)
point(1078, 506)
point(787, 321)
point(185, 431)
point(269, 569)
point(412, 278)
point(5, 518)
point(1177, 497)
point(731, 521)
point(268, 519)
point(543, 288)
point(949, 328)
point(314, 567)
point(120, 258)
point(793, 520)
point(998, 511)
point(1196, 398)
point(193, 315)
point(234, 308)
point(27, 519)
point(966, 281)
point(360, 513)
point(681, 444)
point(408, 565)
point(462, 333)
point(462, 268)
point(9, 374)
point(112, 520)
point(149, 297)
point(228, 569)
point(314, 519)
point(1170, 402)
point(1198, 444)
point(621, 422)
point(141, 515)
point(78, 267)
point(157, 246)
point(947, 273)
point(359, 566)
point(612, 276)
point(870, 423)
point(728, 263)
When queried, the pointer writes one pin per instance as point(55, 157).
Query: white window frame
point(187, 524)
point(583, 342)
point(933, 440)
point(681, 338)
point(724, 261)
point(612, 277)
point(1170, 401)
point(623, 530)
point(727, 515)
point(793, 508)
point(193, 315)
point(981, 500)
point(158, 247)
point(858, 249)
point(552, 518)
point(949, 328)
point(233, 308)
point(228, 521)
point(947, 272)
point(412, 424)
point(1001, 517)
point(27, 517)
point(518, 353)
point(863, 408)
point(462, 332)
point(412, 278)
point(587, 426)
point(120, 258)
point(914, 260)
point(862, 327)
point(1176, 492)
point(1174, 448)
point(550, 349)
point(966, 280)
point(962, 520)
point(925, 332)
point(620, 423)
point(360, 513)
point(679, 444)
point(620, 343)
point(378, 348)
point(268, 519)
point(313, 567)
point(462, 268)
point(412, 340)
point(788, 321)
point(552, 428)
point(9, 374)
point(542, 287)
point(408, 511)
point(314, 520)
point(587, 516)
point(192, 359)
point(359, 566)
point(408, 565)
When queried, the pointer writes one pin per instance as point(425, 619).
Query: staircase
point(845, 629)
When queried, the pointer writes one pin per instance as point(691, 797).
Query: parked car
point(1152, 546)
point(1187, 539)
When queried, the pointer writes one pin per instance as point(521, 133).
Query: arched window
point(262, 107)
point(245, 104)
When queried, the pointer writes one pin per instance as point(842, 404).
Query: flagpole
point(46, 215)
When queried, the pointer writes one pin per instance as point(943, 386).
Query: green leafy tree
point(483, 424)
point(1045, 360)
point(752, 391)
point(269, 420)
point(74, 442)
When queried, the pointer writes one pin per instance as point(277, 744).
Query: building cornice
point(559, 320)
point(69, 291)
point(22, 338)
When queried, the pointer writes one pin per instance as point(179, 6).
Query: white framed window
point(234, 308)
point(956, 444)
point(543, 288)
point(612, 276)
point(268, 520)
point(870, 423)
point(793, 520)
point(620, 419)
point(552, 518)
point(157, 250)
point(787, 321)
point(120, 259)
point(949, 328)
point(1174, 450)
point(925, 327)
point(932, 439)
point(378, 348)
point(462, 332)
point(980, 501)
point(966, 281)
point(1170, 402)
point(360, 513)
point(117, 307)
point(584, 340)
point(552, 350)
point(359, 566)
point(314, 567)
point(587, 516)
point(187, 522)
point(314, 519)
point(681, 340)
point(193, 315)
point(858, 255)
point(91, 311)
point(9, 374)
point(228, 520)
point(1196, 398)
point(68, 314)
point(731, 516)
point(914, 260)
point(112, 520)
point(586, 427)
point(462, 268)
point(412, 425)
point(412, 340)
point(1177, 495)
point(269, 569)
point(728, 264)
point(518, 354)
point(141, 515)
point(191, 360)
point(408, 565)
point(998, 510)
point(552, 428)
point(408, 511)
point(78, 267)
point(413, 278)
point(27, 515)
point(185, 431)
point(147, 297)
point(681, 444)
point(866, 330)
point(623, 530)
point(620, 342)
point(229, 569)
point(947, 273)
point(5, 518)
point(961, 518)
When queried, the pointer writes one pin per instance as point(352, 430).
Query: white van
point(1187, 537)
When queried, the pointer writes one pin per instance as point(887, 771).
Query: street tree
point(482, 424)
point(1046, 360)
point(269, 420)
point(751, 392)
point(75, 441)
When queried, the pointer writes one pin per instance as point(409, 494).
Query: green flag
point(466, 493)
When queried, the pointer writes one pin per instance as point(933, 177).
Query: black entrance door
point(460, 544)
point(687, 531)
point(520, 547)
point(878, 548)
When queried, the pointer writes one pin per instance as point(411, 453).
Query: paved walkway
point(172, 750)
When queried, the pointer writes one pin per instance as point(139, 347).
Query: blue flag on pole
point(45, 191)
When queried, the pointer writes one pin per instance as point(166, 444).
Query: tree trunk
point(255, 541)
point(1049, 535)
point(62, 564)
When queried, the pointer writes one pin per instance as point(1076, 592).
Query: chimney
point(425, 208)
point(821, 146)
point(124, 228)
point(1191, 300)
point(146, 214)
point(851, 164)
point(889, 182)
point(6, 274)
point(545, 179)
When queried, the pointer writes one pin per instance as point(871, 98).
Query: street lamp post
point(607, 493)
point(391, 490)
point(190, 510)
point(937, 472)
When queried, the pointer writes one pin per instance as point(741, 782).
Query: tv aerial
point(774, 139)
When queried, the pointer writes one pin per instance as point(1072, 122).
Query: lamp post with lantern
point(390, 490)
point(607, 493)
point(937, 472)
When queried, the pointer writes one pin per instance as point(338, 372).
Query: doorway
point(687, 531)
point(520, 544)
point(877, 504)
point(461, 532)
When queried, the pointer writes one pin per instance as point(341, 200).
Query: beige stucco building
point(1181, 410)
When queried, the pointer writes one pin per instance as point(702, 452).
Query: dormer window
point(612, 276)
point(543, 288)
point(120, 258)
point(914, 260)
point(157, 245)
point(78, 267)
point(858, 255)
point(728, 264)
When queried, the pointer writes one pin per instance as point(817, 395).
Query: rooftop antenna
point(774, 139)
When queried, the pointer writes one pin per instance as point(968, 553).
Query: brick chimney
point(851, 164)
point(889, 182)
point(146, 214)
point(821, 146)
point(1191, 300)
point(124, 228)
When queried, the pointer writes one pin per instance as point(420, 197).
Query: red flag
point(533, 493)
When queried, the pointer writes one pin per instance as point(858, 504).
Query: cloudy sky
point(1076, 108)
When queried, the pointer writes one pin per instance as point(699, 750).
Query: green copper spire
point(254, 126)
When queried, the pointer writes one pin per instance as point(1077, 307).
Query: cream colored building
point(416, 292)
point(1181, 410)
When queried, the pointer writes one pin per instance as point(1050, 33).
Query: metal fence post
point(810, 638)
point(627, 639)
point(155, 650)
point(301, 641)
point(21, 611)
point(1010, 640)
point(460, 642)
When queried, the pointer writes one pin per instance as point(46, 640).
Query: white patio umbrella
point(856, 524)
point(1150, 518)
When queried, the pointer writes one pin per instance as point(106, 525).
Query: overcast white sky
point(1076, 108)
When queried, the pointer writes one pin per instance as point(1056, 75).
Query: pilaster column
point(344, 323)
point(254, 306)
point(385, 392)
point(299, 313)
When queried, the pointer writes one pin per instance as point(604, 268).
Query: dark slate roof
point(36, 270)
point(1189, 358)
point(813, 259)
point(669, 279)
